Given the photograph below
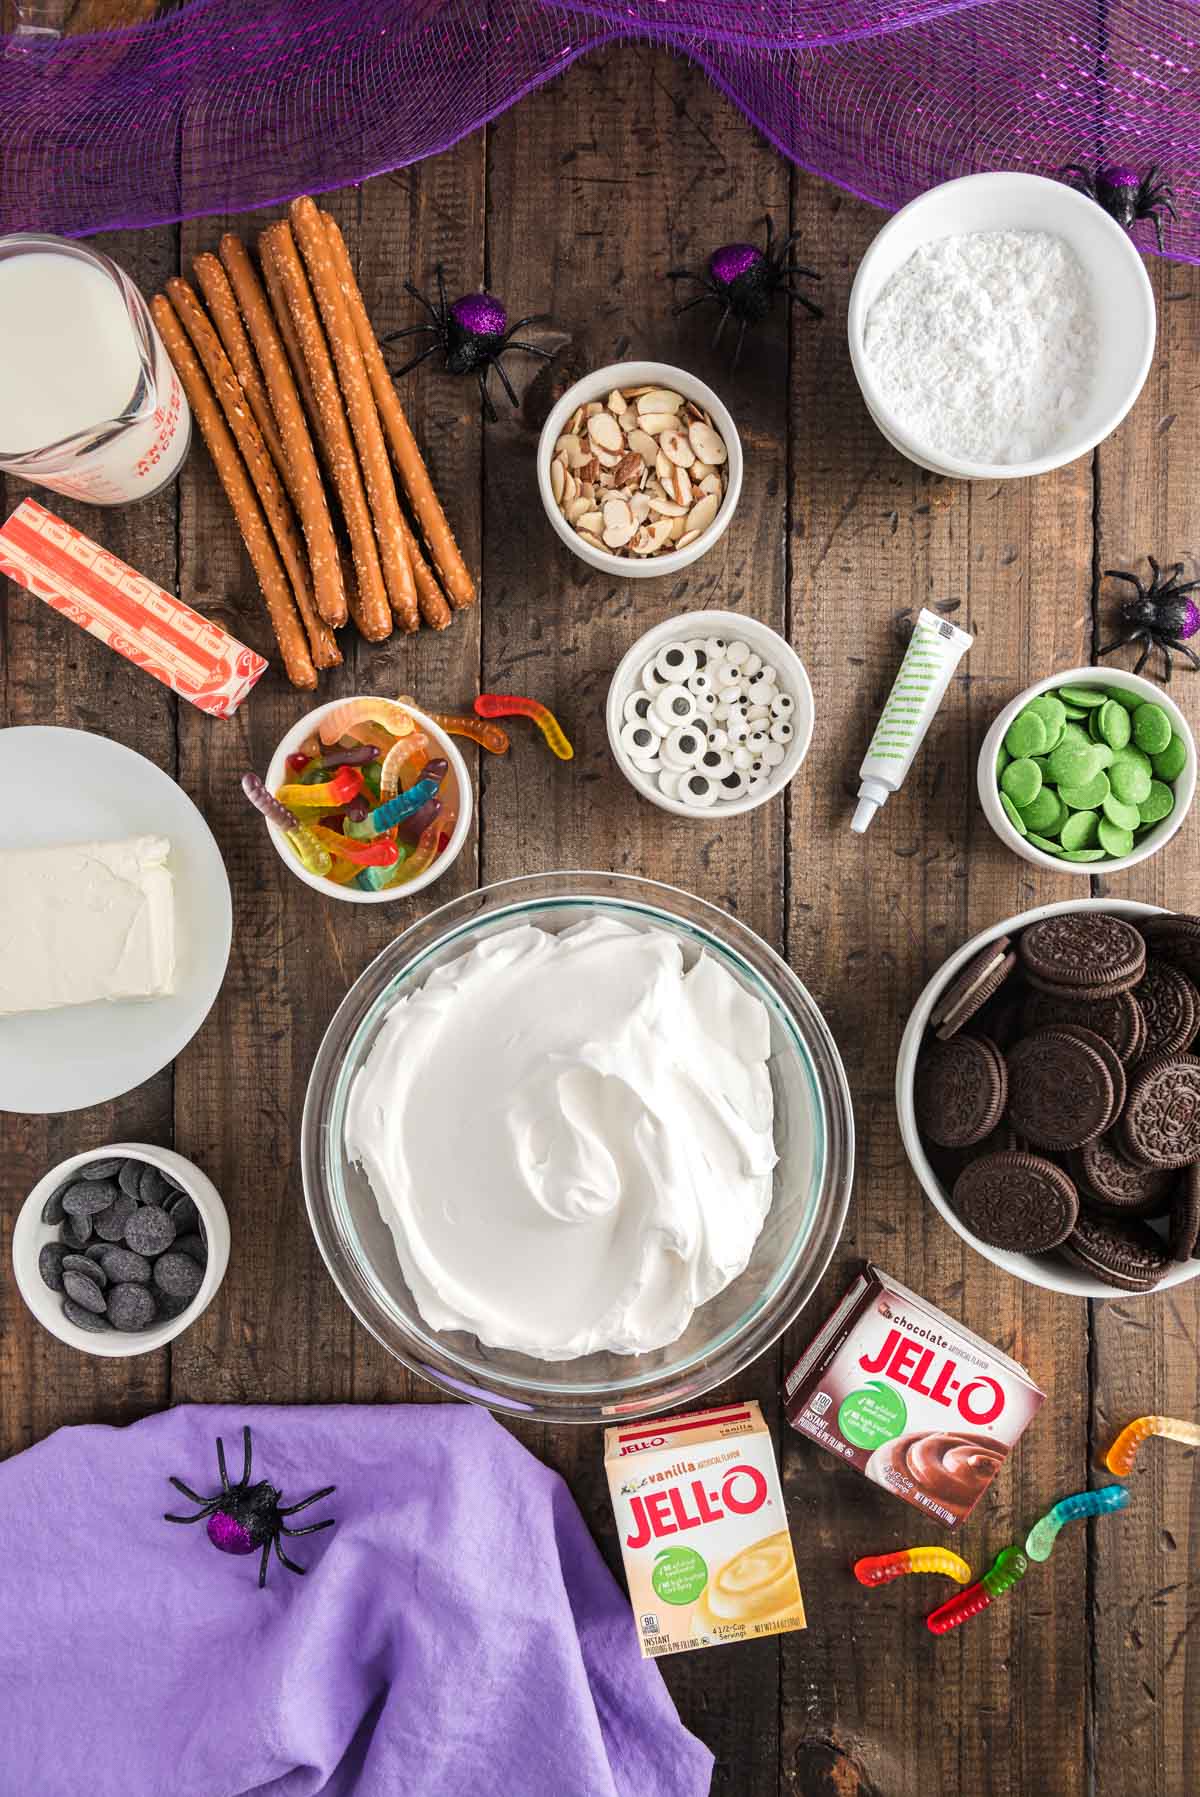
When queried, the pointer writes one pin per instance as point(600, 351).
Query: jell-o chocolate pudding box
point(700, 1514)
point(919, 1404)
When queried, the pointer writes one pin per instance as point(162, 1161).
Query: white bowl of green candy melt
point(1088, 771)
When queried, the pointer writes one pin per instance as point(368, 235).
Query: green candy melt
point(1045, 813)
point(1115, 840)
point(1087, 696)
point(1159, 804)
point(1126, 817)
point(1085, 855)
point(1026, 735)
point(1113, 723)
point(1013, 815)
point(1044, 843)
point(1080, 830)
point(1088, 797)
point(1170, 762)
point(1022, 782)
point(1074, 764)
point(1151, 729)
point(1129, 779)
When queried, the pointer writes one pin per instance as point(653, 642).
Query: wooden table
point(1087, 1678)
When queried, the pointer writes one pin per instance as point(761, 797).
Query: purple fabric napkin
point(457, 1634)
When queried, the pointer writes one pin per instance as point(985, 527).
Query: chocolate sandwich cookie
point(1017, 1201)
point(1123, 1253)
point(1175, 939)
point(948, 1163)
point(1183, 1230)
point(1109, 1183)
point(982, 976)
point(1171, 1006)
point(1082, 951)
point(960, 1090)
point(1111, 1059)
point(1118, 1018)
point(1060, 1091)
point(1161, 1123)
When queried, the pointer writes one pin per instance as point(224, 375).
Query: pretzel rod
point(295, 355)
point(390, 534)
point(222, 306)
point(298, 457)
point(285, 620)
point(321, 640)
point(430, 597)
point(447, 559)
point(278, 246)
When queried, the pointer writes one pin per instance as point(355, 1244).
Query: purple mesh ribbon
point(221, 105)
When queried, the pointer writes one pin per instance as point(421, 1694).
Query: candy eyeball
point(741, 758)
point(652, 681)
point(729, 695)
point(674, 705)
point(715, 763)
point(706, 702)
point(782, 705)
point(639, 741)
point(738, 653)
point(781, 732)
point(756, 740)
point(773, 754)
point(636, 708)
point(738, 729)
point(718, 739)
point(685, 745)
point(676, 662)
point(698, 682)
point(751, 665)
point(697, 789)
point(668, 783)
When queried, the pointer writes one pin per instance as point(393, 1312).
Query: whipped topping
point(86, 921)
point(569, 1137)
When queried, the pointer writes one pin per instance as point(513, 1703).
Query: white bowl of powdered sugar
point(1000, 326)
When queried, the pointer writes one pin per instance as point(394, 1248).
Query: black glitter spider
point(1124, 194)
point(1161, 616)
point(474, 333)
point(245, 1517)
point(744, 280)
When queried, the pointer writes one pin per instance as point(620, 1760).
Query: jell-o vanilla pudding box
point(705, 1541)
point(919, 1404)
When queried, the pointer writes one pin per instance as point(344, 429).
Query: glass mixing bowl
point(814, 1137)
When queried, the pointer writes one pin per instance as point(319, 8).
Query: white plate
point(72, 786)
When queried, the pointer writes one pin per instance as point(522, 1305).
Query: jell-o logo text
point(689, 1506)
point(908, 1362)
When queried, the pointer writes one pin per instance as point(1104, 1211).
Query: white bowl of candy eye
point(710, 714)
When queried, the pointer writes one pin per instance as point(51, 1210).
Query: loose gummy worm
point(1123, 1452)
point(507, 705)
point(264, 801)
point(343, 718)
point(881, 1569)
point(1009, 1565)
point(1041, 1538)
point(488, 736)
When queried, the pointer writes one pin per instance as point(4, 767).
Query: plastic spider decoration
point(1160, 616)
point(1125, 195)
point(473, 332)
point(744, 281)
point(242, 1518)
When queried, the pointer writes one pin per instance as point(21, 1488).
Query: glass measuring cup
point(89, 401)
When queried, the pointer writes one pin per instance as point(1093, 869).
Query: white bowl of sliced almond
point(640, 468)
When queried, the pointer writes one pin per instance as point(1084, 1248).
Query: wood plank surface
point(1085, 1678)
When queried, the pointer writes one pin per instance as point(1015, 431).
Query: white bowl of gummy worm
point(118, 1250)
point(1048, 1088)
point(366, 800)
point(710, 714)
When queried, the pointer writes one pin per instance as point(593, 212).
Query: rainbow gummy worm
point(881, 1569)
point(1123, 1452)
point(343, 718)
point(1041, 1537)
point(326, 795)
point(395, 810)
point(378, 853)
point(314, 858)
point(488, 736)
point(263, 800)
point(508, 705)
point(1009, 1565)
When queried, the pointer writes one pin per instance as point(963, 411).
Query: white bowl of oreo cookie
point(1049, 1096)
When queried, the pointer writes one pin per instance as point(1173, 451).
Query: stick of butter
point(86, 920)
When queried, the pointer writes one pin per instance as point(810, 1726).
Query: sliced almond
point(681, 487)
point(604, 432)
point(558, 476)
point(593, 406)
point(664, 467)
point(577, 418)
point(635, 392)
point(703, 512)
point(659, 399)
point(617, 402)
point(628, 422)
point(706, 444)
point(587, 470)
point(639, 505)
point(617, 539)
point(655, 423)
point(666, 508)
point(570, 485)
point(678, 526)
point(590, 521)
point(689, 536)
point(643, 443)
point(593, 540)
point(575, 508)
point(710, 484)
point(616, 513)
point(676, 447)
point(629, 468)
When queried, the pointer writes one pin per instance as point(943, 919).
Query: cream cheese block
point(85, 921)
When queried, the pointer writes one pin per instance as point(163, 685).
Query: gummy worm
point(262, 800)
point(380, 853)
point(505, 705)
point(1041, 1538)
point(413, 828)
point(402, 763)
point(315, 858)
point(402, 806)
point(1123, 1452)
point(346, 784)
point(488, 736)
point(422, 855)
point(881, 1569)
point(1009, 1565)
point(352, 757)
point(375, 879)
point(343, 718)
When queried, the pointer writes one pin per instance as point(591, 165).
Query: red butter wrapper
point(112, 601)
point(917, 1403)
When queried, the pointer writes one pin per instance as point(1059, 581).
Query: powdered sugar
point(983, 346)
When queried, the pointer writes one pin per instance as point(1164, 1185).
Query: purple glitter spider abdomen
point(1120, 177)
point(1191, 619)
point(732, 260)
point(229, 1535)
point(481, 314)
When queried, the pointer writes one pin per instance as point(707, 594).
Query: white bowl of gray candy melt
point(1121, 296)
point(30, 1234)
